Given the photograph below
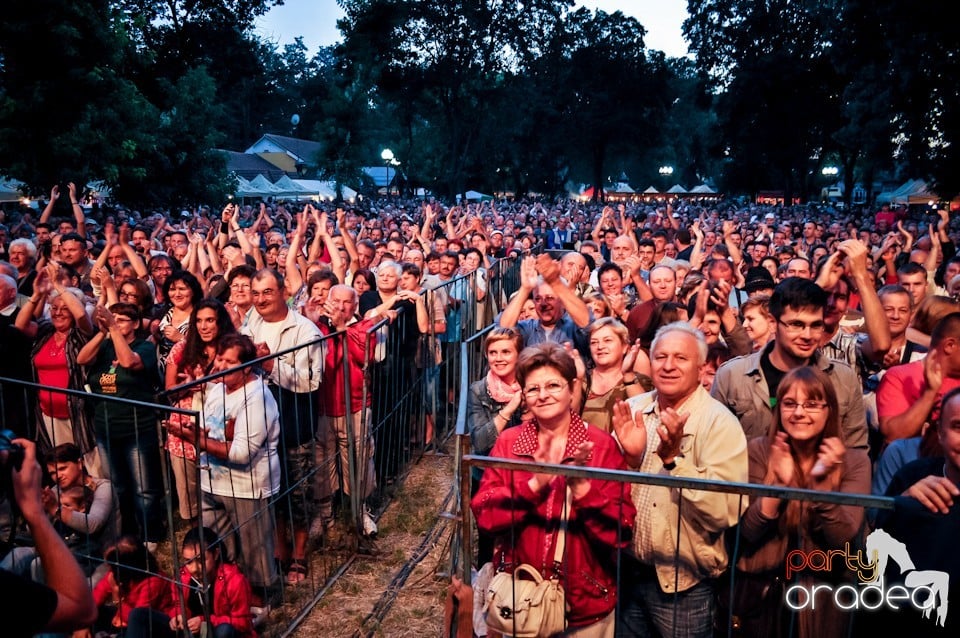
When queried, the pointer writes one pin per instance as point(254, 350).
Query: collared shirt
point(713, 447)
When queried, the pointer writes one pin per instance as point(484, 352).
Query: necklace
point(57, 347)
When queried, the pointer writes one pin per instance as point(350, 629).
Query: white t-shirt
point(253, 469)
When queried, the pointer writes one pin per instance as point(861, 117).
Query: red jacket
point(231, 600)
point(152, 592)
point(600, 524)
point(358, 347)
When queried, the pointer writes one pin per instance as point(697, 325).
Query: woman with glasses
point(61, 418)
point(525, 508)
point(123, 365)
point(191, 359)
point(804, 449)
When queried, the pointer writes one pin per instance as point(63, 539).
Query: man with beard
point(562, 316)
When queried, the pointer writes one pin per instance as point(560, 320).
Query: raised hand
point(631, 432)
point(670, 432)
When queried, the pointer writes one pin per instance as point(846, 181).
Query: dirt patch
point(399, 588)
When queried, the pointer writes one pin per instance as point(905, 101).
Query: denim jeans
point(646, 611)
point(134, 468)
point(150, 623)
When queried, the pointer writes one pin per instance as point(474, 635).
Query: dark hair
point(263, 273)
point(201, 537)
point(947, 327)
point(796, 293)
point(74, 237)
point(188, 278)
point(718, 353)
point(194, 350)
point(129, 310)
point(243, 270)
point(544, 355)
point(606, 267)
point(408, 268)
point(248, 351)
point(909, 268)
point(366, 274)
point(173, 263)
point(130, 561)
point(64, 453)
point(144, 296)
point(324, 274)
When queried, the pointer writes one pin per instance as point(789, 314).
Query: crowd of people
point(801, 347)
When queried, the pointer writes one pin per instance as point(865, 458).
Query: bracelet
point(632, 381)
point(500, 414)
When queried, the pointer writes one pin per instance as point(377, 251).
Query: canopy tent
point(476, 196)
point(319, 189)
point(290, 188)
point(677, 189)
point(651, 191)
point(914, 191)
point(703, 189)
point(246, 189)
point(10, 190)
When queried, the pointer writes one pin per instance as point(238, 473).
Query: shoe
point(260, 615)
point(320, 527)
point(370, 528)
point(297, 571)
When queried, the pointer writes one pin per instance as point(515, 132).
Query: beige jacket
point(713, 447)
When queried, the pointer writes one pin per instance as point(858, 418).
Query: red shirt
point(901, 387)
point(50, 363)
point(360, 349)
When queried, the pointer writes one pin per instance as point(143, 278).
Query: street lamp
point(829, 171)
point(388, 159)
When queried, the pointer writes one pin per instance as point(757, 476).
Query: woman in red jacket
point(525, 508)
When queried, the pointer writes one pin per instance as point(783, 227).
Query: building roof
point(249, 165)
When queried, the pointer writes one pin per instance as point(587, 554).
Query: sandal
point(297, 571)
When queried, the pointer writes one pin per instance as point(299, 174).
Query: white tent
point(476, 196)
point(677, 189)
point(703, 189)
point(319, 189)
point(10, 190)
point(910, 192)
point(651, 191)
point(289, 188)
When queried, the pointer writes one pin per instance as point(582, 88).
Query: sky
point(316, 21)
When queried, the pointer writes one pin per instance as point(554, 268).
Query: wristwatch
point(632, 380)
point(672, 465)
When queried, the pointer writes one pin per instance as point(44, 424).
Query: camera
point(11, 458)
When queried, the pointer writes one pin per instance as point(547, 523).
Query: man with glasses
point(748, 385)
point(562, 316)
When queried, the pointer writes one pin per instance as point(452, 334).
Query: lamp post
point(388, 159)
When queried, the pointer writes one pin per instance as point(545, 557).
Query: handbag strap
point(562, 532)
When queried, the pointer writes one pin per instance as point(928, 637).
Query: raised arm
point(528, 282)
point(77, 211)
point(48, 209)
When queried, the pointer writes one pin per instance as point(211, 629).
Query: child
point(135, 585)
point(226, 597)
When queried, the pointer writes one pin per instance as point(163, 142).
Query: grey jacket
point(740, 385)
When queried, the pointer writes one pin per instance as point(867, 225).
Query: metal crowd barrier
point(321, 493)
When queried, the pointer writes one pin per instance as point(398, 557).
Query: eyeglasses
point(127, 295)
point(553, 388)
point(239, 286)
point(161, 269)
point(269, 292)
point(808, 406)
point(796, 327)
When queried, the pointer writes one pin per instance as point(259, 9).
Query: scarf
point(499, 390)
